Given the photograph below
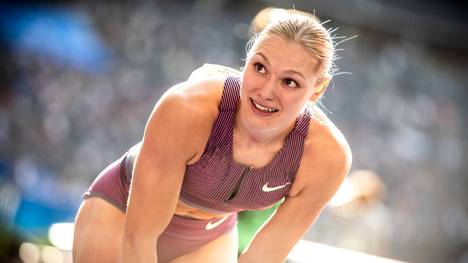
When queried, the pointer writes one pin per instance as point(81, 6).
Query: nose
point(268, 90)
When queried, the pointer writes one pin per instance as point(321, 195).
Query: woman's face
point(278, 79)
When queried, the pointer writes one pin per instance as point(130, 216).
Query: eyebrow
point(287, 71)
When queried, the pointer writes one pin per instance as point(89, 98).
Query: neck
point(266, 137)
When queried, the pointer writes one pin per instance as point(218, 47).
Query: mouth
point(263, 110)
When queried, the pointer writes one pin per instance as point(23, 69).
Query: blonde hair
point(300, 27)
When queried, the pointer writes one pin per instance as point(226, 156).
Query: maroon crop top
point(217, 183)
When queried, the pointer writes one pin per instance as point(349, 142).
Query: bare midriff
point(186, 210)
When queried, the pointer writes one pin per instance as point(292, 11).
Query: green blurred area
point(250, 221)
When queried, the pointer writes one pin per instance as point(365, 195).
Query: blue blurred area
point(34, 199)
point(59, 34)
point(33, 218)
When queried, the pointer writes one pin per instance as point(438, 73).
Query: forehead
point(286, 55)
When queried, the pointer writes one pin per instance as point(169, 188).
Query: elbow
point(264, 253)
point(137, 236)
point(134, 237)
point(140, 229)
point(138, 248)
point(250, 258)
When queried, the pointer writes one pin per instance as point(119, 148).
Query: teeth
point(260, 107)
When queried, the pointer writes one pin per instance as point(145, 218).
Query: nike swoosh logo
point(212, 225)
point(266, 188)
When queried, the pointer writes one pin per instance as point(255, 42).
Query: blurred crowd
point(78, 81)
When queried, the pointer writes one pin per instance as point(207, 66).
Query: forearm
point(276, 239)
point(138, 250)
point(261, 252)
point(140, 235)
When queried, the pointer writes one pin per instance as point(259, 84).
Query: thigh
point(222, 249)
point(98, 231)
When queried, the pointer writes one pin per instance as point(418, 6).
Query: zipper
point(240, 181)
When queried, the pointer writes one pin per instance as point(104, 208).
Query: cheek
point(245, 90)
point(248, 83)
point(295, 103)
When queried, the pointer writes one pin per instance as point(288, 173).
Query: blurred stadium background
point(79, 78)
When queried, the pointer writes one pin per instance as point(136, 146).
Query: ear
point(320, 87)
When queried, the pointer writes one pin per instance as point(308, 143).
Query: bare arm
point(318, 178)
point(167, 147)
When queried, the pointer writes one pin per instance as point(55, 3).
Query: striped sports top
point(217, 183)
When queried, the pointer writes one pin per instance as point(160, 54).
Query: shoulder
point(202, 92)
point(193, 101)
point(326, 142)
point(326, 159)
point(186, 113)
point(212, 72)
point(203, 89)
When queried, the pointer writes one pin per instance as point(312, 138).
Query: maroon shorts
point(181, 236)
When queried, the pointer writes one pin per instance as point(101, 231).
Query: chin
point(259, 129)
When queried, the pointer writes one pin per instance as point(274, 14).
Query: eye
point(290, 83)
point(259, 67)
